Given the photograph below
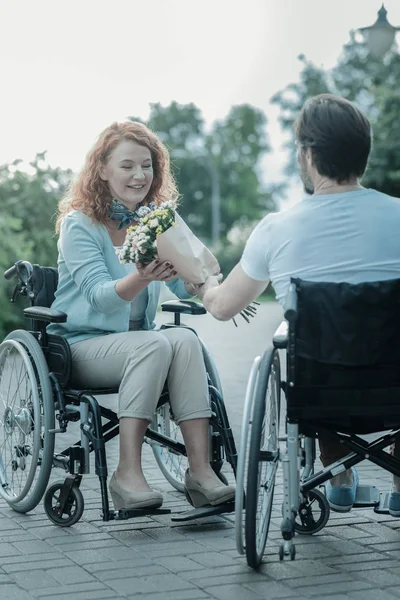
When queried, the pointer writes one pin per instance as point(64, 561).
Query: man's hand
point(156, 271)
point(232, 296)
point(210, 283)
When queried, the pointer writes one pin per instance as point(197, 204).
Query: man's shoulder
point(285, 215)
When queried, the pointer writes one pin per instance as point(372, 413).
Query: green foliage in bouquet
point(140, 244)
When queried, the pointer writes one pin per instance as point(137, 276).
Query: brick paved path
point(355, 557)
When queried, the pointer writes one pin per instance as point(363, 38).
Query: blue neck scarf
point(119, 212)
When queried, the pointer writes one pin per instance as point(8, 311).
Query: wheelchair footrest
point(367, 495)
point(205, 511)
point(383, 506)
point(131, 513)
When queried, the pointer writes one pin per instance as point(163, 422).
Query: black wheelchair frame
point(340, 389)
point(63, 501)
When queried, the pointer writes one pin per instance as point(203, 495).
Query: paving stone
point(387, 565)
point(63, 541)
point(380, 578)
point(150, 584)
point(111, 575)
point(293, 569)
point(30, 580)
point(103, 594)
point(74, 574)
point(211, 559)
point(37, 564)
point(184, 564)
point(7, 549)
point(33, 547)
point(121, 564)
point(14, 592)
point(375, 594)
point(323, 591)
point(272, 589)
point(237, 592)
point(217, 578)
point(26, 559)
point(119, 552)
point(318, 580)
point(55, 592)
point(83, 557)
point(190, 548)
point(194, 594)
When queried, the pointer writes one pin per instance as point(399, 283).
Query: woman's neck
point(117, 235)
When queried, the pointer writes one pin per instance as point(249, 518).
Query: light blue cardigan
point(88, 269)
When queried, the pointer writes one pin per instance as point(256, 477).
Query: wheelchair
point(37, 402)
point(343, 380)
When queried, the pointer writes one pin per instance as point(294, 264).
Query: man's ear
point(309, 156)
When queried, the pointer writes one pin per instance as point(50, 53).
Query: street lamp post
point(215, 200)
point(380, 36)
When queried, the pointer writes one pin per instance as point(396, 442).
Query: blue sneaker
point(394, 504)
point(341, 497)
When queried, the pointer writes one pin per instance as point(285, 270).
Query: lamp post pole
point(215, 200)
point(380, 36)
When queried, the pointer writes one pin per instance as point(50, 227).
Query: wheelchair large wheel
point(263, 457)
point(26, 421)
point(173, 465)
point(243, 454)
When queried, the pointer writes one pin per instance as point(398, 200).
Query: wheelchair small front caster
point(313, 513)
point(287, 549)
point(72, 510)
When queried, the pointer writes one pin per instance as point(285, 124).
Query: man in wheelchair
point(329, 249)
point(105, 310)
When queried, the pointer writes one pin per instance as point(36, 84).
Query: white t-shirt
point(352, 237)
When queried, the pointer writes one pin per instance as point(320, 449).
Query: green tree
point(227, 156)
point(28, 204)
point(374, 86)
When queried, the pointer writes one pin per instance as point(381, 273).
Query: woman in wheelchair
point(111, 309)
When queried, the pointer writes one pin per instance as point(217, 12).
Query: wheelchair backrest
point(344, 355)
point(43, 284)
point(348, 324)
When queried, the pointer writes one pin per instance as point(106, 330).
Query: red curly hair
point(90, 194)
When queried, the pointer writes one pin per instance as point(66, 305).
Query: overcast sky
point(70, 68)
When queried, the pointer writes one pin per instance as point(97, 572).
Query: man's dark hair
point(338, 134)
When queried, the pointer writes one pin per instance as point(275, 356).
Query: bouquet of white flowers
point(161, 233)
point(140, 244)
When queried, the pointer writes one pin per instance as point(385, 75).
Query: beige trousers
point(138, 363)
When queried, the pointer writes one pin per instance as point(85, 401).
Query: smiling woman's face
point(129, 173)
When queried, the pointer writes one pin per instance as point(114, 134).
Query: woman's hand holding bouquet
point(161, 235)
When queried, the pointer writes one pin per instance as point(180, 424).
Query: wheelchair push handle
point(291, 303)
point(22, 269)
point(9, 274)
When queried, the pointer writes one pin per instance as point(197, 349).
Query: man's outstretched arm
point(233, 295)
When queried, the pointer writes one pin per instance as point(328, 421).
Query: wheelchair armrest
point(280, 338)
point(42, 313)
point(183, 306)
